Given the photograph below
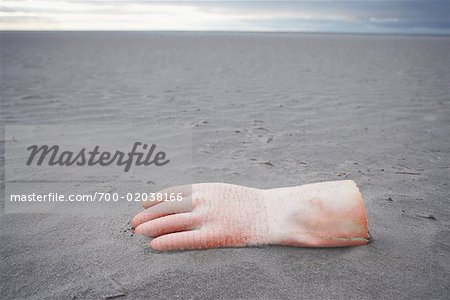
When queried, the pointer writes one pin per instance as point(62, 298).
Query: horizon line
point(235, 31)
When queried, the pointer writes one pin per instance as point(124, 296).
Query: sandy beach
point(264, 110)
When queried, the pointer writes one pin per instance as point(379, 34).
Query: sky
point(363, 16)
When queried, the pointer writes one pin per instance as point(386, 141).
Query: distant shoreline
point(237, 32)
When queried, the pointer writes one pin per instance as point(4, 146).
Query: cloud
point(331, 16)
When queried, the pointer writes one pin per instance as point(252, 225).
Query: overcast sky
point(380, 16)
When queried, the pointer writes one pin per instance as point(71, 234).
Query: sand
point(265, 110)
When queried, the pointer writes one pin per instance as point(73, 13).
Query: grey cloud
point(354, 16)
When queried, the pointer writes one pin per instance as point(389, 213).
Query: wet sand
point(265, 110)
